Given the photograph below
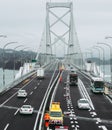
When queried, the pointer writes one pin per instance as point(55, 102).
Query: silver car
point(22, 93)
point(83, 104)
point(26, 109)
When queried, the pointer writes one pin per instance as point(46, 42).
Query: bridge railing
point(17, 81)
point(108, 86)
point(20, 79)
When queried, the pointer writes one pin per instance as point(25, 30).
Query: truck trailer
point(40, 73)
point(73, 79)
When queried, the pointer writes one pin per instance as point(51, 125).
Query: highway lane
point(103, 107)
point(10, 117)
point(84, 119)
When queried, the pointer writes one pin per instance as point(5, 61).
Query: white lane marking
point(31, 93)
point(38, 83)
point(77, 126)
point(9, 107)
point(16, 108)
point(93, 114)
point(76, 122)
point(73, 126)
point(109, 99)
point(103, 127)
point(25, 100)
point(6, 126)
point(15, 93)
point(84, 93)
point(71, 118)
point(35, 88)
point(71, 122)
point(85, 76)
point(75, 118)
point(16, 112)
point(98, 120)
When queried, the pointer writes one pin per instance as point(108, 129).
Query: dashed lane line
point(25, 100)
point(85, 94)
point(16, 112)
point(15, 93)
point(6, 126)
point(35, 88)
point(31, 93)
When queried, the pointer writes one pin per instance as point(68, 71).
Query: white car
point(26, 109)
point(83, 103)
point(22, 93)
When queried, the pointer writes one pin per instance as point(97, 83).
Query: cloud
point(24, 21)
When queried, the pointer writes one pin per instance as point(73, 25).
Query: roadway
point(100, 115)
point(10, 118)
point(98, 118)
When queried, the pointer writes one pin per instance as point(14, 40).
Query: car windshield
point(21, 91)
point(99, 84)
point(83, 101)
point(55, 114)
point(26, 106)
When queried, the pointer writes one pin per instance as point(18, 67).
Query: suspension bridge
point(59, 48)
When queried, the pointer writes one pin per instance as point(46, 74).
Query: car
point(22, 93)
point(26, 109)
point(83, 103)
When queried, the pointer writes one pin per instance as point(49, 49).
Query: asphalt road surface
point(98, 118)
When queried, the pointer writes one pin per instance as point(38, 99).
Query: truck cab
point(73, 78)
point(55, 112)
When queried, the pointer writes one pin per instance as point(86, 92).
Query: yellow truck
point(55, 113)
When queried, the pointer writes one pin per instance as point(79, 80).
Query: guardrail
point(20, 79)
point(108, 86)
point(17, 81)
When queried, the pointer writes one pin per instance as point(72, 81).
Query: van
point(40, 73)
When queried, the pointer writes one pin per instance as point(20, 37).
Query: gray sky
point(24, 20)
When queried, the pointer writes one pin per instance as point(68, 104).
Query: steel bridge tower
point(59, 38)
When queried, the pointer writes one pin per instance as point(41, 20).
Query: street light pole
point(110, 57)
point(99, 56)
point(103, 60)
point(99, 53)
point(21, 53)
point(14, 60)
point(90, 52)
point(4, 60)
point(21, 57)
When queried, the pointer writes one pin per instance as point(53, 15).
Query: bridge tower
point(60, 38)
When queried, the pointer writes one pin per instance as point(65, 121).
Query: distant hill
point(19, 57)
